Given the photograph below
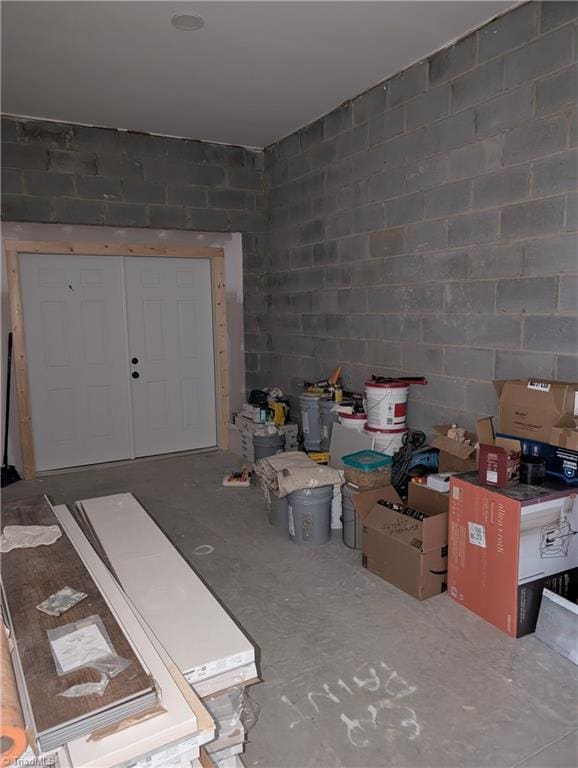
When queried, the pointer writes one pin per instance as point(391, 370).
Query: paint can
point(268, 445)
point(279, 511)
point(386, 404)
point(356, 421)
point(387, 441)
point(352, 527)
point(310, 515)
point(328, 417)
point(310, 421)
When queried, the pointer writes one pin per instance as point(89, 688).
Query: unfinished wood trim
point(205, 759)
point(13, 248)
point(114, 249)
point(221, 351)
point(20, 366)
point(244, 684)
point(205, 721)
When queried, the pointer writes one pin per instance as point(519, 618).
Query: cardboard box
point(427, 500)
point(455, 456)
point(561, 463)
point(531, 408)
point(499, 459)
point(408, 551)
point(565, 433)
point(500, 462)
point(505, 545)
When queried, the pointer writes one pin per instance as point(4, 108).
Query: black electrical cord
point(412, 441)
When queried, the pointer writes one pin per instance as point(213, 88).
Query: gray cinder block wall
point(70, 174)
point(428, 226)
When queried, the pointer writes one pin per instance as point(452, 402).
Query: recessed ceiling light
point(187, 21)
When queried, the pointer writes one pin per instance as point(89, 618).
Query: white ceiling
point(255, 73)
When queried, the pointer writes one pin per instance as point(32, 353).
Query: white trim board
point(184, 716)
point(189, 621)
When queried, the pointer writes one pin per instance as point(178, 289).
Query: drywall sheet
point(196, 630)
point(183, 715)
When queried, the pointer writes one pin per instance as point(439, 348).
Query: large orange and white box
point(506, 544)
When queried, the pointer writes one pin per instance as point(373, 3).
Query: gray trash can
point(268, 445)
point(352, 527)
point(279, 512)
point(310, 515)
point(328, 418)
point(310, 421)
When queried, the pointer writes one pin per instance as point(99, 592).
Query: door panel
point(170, 330)
point(76, 352)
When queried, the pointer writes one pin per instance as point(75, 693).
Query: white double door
point(120, 356)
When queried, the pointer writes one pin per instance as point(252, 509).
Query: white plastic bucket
point(386, 404)
point(387, 441)
point(356, 421)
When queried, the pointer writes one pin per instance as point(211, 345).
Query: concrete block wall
point(70, 174)
point(428, 226)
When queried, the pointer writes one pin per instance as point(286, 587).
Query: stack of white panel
point(205, 643)
point(180, 727)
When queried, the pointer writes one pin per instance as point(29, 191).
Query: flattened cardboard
point(530, 408)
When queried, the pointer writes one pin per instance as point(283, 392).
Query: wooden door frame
point(13, 249)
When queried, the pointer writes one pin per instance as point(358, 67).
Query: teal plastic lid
point(366, 461)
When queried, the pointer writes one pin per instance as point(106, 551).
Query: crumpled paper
point(21, 536)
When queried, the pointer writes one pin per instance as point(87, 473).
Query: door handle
point(135, 374)
point(134, 360)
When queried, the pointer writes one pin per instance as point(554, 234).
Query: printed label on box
point(491, 476)
point(477, 535)
point(539, 385)
point(456, 493)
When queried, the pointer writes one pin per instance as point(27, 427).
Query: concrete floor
point(356, 673)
